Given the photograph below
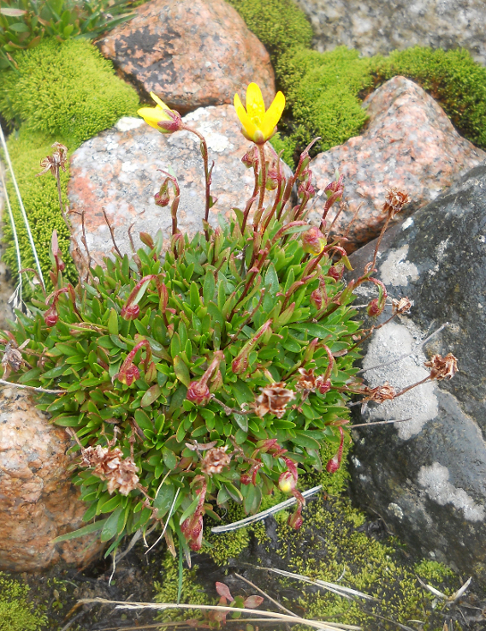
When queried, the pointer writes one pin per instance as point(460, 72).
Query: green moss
point(452, 77)
point(67, 90)
point(67, 93)
point(229, 545)
point(279, 24)
point(16, 613)
point(167, 590)
point(41, 202)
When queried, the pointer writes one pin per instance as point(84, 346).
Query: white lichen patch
point(126, 123)
point(407, 223)
point(216, 141)
point(435, 480)
point(439, 255)
point(396, 270)
point(419, 404)
point(396, 510)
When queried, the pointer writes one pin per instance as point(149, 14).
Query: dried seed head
point(109, 464)
point(56, 161)
point(395, 200)
point(307, 380)
point(401, 306)
point(442, 367)
point(380, 393)
point(215, 460)
point(273, 399)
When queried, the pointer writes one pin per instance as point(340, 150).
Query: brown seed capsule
point(273, 399)
point(215, 460)
point(442, 367)
point(395, 200)
point(401, 306)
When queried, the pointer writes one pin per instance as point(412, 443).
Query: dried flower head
point(56, 161)
point(395, 200)
point(380, 393)
point(442, 367)
point(401, 306)
point(273, 399)
point(215, 460)
point(109, 464)
point(12, 358)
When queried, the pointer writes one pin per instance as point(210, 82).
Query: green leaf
point(67, 421)
point(151, 395)
point(314, 330)
point(271, 280)
point(110, 528)
point(233, 492)
point(12, 13)
point(19, 27)
point(182, 371)
point(143, 420)
point(169, 457)
point(85, 530)
point(164, 499)
point(305, 441)
point(111, 504)
point(190, 510)
point(208, 288)
point(113, 323)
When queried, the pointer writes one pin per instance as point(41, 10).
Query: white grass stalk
point(266, 513)
point(21, 204)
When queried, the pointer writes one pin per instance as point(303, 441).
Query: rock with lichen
point(38, 501)
point(426, 476)
point(408, 144)
point(191, 53)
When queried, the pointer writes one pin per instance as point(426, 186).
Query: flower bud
point(306, 189)
point(336, 272)
point(239, 364)
point(333, 465)
point(130, 312)
point(316, 299)
point(313, 241)
point(245, 479)
point(295, 520)
point(50, 316)
point(162, 198)
point(324, 387)
point(172, 124)
point(287, 482)
point(250, 159)
point(373, 309)
point(129, 375)
point(198, 393)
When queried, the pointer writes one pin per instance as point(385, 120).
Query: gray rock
point(427, 476)
point(119, 170)
point(373, 26)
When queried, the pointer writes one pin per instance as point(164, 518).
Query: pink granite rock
point(118, 171)
point(191, 53)
point(409, 144)
point(37, 500)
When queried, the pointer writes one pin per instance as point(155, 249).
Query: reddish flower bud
point(129, 375)
point(316, 299)
point(50, 316)
point(335, 272)
point(313, 241)
point(198, 393)
point(335, 462)
point(287, 482)
point(239, 365)
point(374, 309)
point(324, 387)
point(250, 159)
point(172, 125)
point(162, 199)
point(130, 312)
point(306, 189)
point(295, 520)
point(245, 479)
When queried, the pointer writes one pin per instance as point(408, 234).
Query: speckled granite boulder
point(117, 170)
point(37, 500)
point(374, 26)
point(408, 143)
point(191, 53)
point(427, 477)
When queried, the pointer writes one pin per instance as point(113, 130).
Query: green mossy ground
point(333, 546)
point(65, 92)
point(16, 612)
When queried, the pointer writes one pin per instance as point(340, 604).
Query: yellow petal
point(272, 115)
point(245, 120)
point(158, 101)
point(254, 101)
point(152, 115)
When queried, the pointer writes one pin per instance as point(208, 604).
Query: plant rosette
point(210, 374)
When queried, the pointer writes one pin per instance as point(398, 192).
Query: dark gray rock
point(427, 477)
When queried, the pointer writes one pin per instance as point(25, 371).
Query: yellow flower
point(160, 114)
point(258, 125)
